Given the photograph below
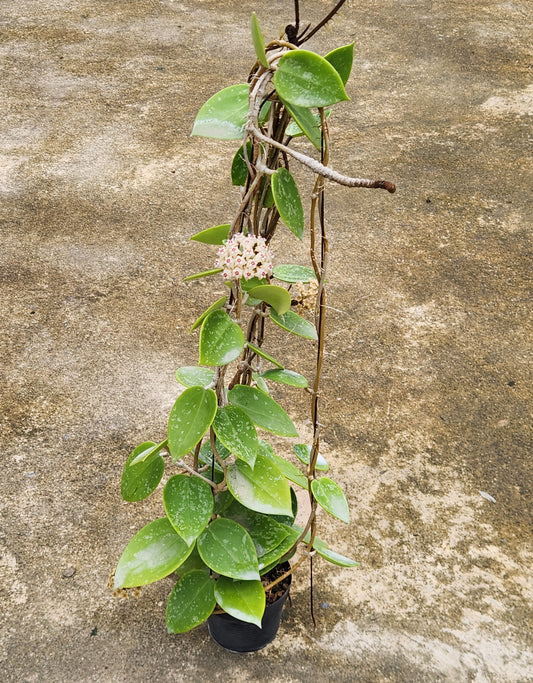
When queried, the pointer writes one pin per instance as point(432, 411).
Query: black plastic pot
point(241, 636)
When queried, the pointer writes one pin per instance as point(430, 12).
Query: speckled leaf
point(140, 479)
point(329, 496)
point(265, 532)
point(153, 553)
point(288, 202)
point(227, 548)
point(193, 376)
point(244, 600)
point(307, 80)
point(288, 272)
point(221, 339)
point(224, 114)
point(188, 502)
point(262, 410)
point(190, 417)
point(215, 235)
point(236, 431)
point(191, 602)
point(263, 489)
point(295, 324)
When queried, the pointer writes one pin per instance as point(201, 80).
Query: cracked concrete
point(428, 378)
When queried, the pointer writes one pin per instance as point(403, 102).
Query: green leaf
point(247, 285)
point(306, 123)
point(226, 547)
point(289, 377)
point(288, 202)
point(342, 59)
point(287, 272)
point(329, 496)
point(194, 561)
point(190, 417)
point(205, 273)
point(262, 410)
point(290, 471)
point(216, 235)
point(307, 80)
point(236, 431)
point(265, 532)
point(260, 382)
point(221, 339)
point(244, 600)
point(295, 324)
point(303, 452)
point(277, 297)
point(153, 553)
point(263, 354)
point(191, 602)
point(193, 376)
point(259, 43)
point(312, 127)
point(224, 114)
point(336, 558)
point(270, 559)
point(219, 303)
point(139, 480)
point(188, 502)
point(239, 169)
point(263, 489)
point(146, 453)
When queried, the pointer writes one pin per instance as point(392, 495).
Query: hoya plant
point(228, 509)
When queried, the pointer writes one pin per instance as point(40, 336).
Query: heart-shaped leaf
point(221, 339)
point(224, 114)
point(295, 324)
point(216, 235)
point(226, 547)
point(329, 496)
point(307, 80)
point(277, 297)
point(190, 417)
point(236, 431)
point(288, 202)
point(262, 410)
point(153, 553)
point(244, 600)
point(191, 601)
point(263, 489)
point(193, 376)
point(188, 502)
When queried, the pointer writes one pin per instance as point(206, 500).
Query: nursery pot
point(241, 636)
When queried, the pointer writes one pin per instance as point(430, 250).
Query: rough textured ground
point(428, 379)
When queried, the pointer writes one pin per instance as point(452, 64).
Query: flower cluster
point(244, 256)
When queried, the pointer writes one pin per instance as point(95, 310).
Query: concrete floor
point(427, 385)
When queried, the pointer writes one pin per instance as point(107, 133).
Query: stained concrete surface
point(427, 385)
